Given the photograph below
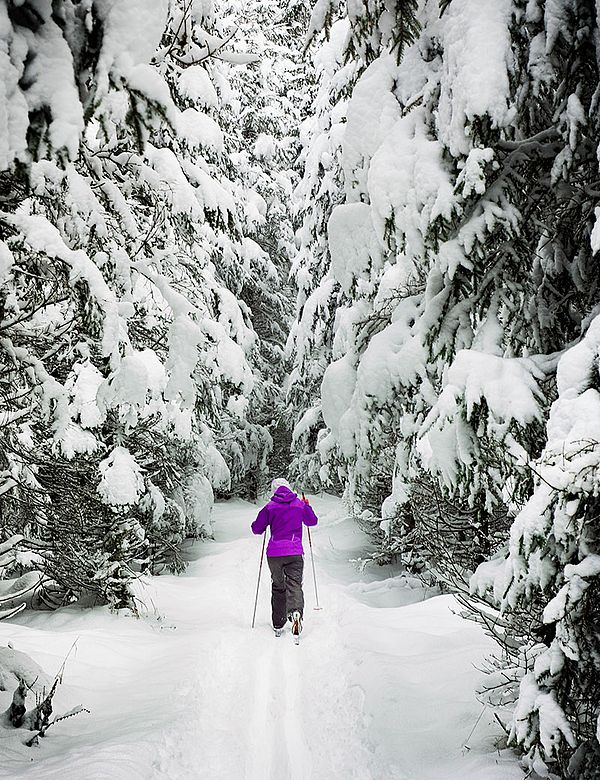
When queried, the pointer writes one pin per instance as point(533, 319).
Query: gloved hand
point(306, 501)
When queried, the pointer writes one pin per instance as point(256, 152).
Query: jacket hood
point(283, 495)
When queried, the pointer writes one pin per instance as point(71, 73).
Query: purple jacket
point(285, 513)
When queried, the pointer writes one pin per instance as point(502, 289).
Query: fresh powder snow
point(352, 243)
point(381, 685)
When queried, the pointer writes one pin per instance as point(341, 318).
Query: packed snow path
point(380, 687)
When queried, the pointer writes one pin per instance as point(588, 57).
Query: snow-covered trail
point(276, 710)
point(379, 687)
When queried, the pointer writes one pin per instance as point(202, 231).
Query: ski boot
point(296, 626)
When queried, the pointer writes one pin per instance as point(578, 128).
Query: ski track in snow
point(380, 687)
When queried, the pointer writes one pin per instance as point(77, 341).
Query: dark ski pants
point(286, 587)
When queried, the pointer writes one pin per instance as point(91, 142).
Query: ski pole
point(262, 552)
point(312, 560)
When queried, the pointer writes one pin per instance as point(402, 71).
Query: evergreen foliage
point(263, 123)
point(461, 207)
point(134, 383)
point(428, 175)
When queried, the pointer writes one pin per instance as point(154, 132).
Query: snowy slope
point(380, 687)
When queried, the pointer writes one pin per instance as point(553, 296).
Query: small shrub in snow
point(21, 679)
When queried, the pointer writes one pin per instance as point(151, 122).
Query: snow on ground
point(381, 686)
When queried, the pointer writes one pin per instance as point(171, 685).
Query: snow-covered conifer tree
point(546, 586)
point(63, 318)
point(355, 37)
point(460, 264)
point(128, 355)
point(549, 583)
point(262, 118)
point(309, 342)
point(456, 194)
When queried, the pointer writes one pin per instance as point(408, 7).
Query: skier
point(285, 513)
